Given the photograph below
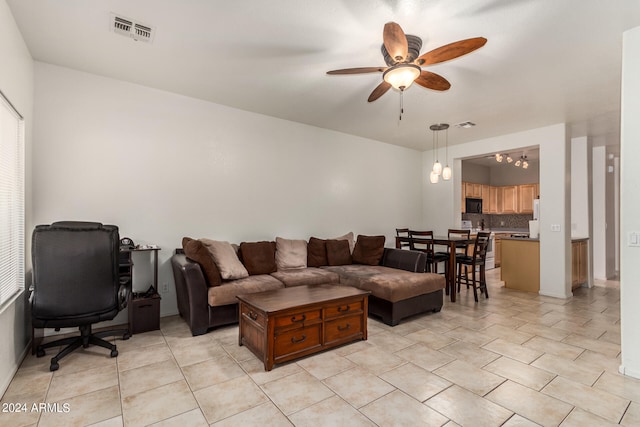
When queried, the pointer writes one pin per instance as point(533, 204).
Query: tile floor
point(516, 359)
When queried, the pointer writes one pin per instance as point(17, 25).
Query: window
point(11, 200)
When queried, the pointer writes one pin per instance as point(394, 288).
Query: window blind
point(11, 200)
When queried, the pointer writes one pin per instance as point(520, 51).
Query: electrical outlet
point(555, 227)
point(165, 288)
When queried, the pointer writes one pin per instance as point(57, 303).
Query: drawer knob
point(294, 340)
point(343, 309)
point(253, 315)
point(302, 319)
point(344, 328)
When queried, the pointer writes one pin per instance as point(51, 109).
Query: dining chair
point(477, 264)
point(426, 247)
point(461, 248)
point(403, 232)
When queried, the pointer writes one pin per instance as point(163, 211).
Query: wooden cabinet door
point(493, 200)
point(476, 190)
point(575, 265)
point(463, 196)
point(526, 194)
point(498, 251)
point(486, 192)
point(583, 255)
point(510, 199)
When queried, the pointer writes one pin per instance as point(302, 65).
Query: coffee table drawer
point(254, 315)
point(298, 319)
point(342, 328)
point(345, 309)
point(297, 340)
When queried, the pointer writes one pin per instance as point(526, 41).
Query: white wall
point(580, 187)
point(599, 238)
point(441, 202)
point(630, 204)
point(163, 166)
point(16, 82)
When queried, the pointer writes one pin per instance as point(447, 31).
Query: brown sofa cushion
point(317, 252)
point(258, 257)
point(227, 292)
point(338, 252)
point(306, 276)
point(195, 250)
point(291, 253)
point(226, 258)
point(368, 250)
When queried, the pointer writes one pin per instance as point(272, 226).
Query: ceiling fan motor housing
point(415, 44)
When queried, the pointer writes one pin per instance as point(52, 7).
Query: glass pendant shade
point(434, 177)
point(437, 168)
point(401, 76)
point(446, 173)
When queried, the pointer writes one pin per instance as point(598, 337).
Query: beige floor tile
point(580, 418)
point(620, 385)
point(376, 360)
point(610, 336)
point(358, 386)
point(83, 359)
point(137, 357)
point(31, 382)
point(330, 412)
point(514, 351)
point(77, 383)
point(425, 357)
point(86, 409)
point(571, 369)
point(158, 404)
point(534, 406)
point(468, 409)
point(193, 418)
point(111, 422)
point(547, 345)
point(232, 397)
point(188, 351)
point(255, 369)
point(238, 352)
point(520, 373)
point(508, 334)
point(469, 377)
point(518, 421)
point(544, 331)
point(431, 339)
point(390, 341)
point(22, 415)
point(147, 377)
point(599, 346)
point(470, 353)
point(265, 414)
point(632, 416)
point(398, 409)
point(598, 360)
point(140, 340)
point(577, 328)
point(212, 371)
point(595, 401)
point(467, 335)
point(325, 364)
point(296, 392)
point(415, 381)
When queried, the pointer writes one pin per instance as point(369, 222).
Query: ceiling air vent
point(465, 125)
point(128, 28)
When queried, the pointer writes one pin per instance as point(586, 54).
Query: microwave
point(473, 205)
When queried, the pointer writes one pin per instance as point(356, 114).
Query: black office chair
point(76, 283)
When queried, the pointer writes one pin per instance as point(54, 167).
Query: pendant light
point(437, 170)
point(446, 172)
point(433, 176)
point(437, 167)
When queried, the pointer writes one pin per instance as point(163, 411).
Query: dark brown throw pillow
point(338, 252)
point(195, 250)
point(317, 252)
point(258, 257)
point(368, 250)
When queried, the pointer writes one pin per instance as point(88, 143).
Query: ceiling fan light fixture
point(401, 76)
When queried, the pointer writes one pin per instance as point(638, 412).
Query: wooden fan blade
point(432, 81)
point(395, 41)
point(450, 51)
point(379, 91)
point(359, 70)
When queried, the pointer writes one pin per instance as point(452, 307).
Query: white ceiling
point(545, 62)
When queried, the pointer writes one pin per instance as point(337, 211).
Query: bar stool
point(477, 264)
point(461, 249)
point(403, 232)
point(426, 247)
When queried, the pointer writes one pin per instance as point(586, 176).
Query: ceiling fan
point(400, 52)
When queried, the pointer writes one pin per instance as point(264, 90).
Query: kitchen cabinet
point(515, 272)
point(485, 198)
point(509, 199)
point(473, 190)
point(579, 262)
point(526, 195)
point(493, 200)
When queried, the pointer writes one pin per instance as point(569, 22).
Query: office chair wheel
point(114, 353)
point(54, 365)
point(126, 336)
point(39, 352)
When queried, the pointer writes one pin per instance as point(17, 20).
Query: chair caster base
point(114, 353)
point(54, 365)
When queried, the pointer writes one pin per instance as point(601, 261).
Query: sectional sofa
point(210, 274)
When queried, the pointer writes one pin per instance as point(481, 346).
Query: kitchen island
point(520, 268)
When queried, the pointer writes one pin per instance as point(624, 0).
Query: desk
point(446, 241)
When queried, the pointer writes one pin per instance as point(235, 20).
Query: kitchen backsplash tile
point(516, 221)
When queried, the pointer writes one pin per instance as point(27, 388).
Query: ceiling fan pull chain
point(401, 105)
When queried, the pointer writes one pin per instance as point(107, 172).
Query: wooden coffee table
point(289, 323)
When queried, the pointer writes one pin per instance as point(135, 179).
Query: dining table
point(452, 243)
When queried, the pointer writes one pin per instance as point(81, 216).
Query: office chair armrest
point(123, 296)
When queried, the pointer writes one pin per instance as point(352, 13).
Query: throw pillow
point(348, 237)
point(317, 252)
point(338, 252)
point(368, 250)
point(258, 257)
point(195, 250)
point(226, 259)
point(290, 253)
